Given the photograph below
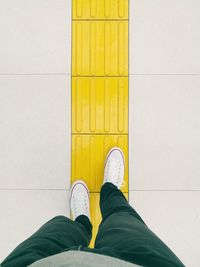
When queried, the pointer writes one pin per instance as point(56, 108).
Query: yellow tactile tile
point(100, 9)
point(88, 156)
point(96, 214)
point(100, 105)
point(100, 48)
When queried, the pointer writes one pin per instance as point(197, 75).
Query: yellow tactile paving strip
point(99, 91)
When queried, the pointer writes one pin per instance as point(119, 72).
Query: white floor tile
point(35, 127)
point(164, 37)
point(174, 217)
point(35, 36)
point(24, 212)
point(164, 133)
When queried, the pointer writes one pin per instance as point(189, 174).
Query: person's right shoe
point(114, 167)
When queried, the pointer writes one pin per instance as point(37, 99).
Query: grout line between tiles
point(99, 133)
point(32, 189)
point(164, 190)
point(34, 74)
point(103, 20)
point(99, 76)
point(137, 190)
point(164, 74)
point(130, 74)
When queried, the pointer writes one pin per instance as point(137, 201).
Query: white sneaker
point(79, 199)
point(114, 167)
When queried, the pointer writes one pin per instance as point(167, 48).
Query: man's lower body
point(122, 234)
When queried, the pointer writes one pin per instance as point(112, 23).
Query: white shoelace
point(111, 168)
point(80, 205)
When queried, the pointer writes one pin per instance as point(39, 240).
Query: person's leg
point(53, 237)
point(123, 232)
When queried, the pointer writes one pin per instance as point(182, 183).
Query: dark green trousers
point(122, 234)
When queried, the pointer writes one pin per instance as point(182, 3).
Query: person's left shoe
point(79, 199)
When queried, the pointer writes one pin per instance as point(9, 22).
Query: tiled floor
point(164, 121)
